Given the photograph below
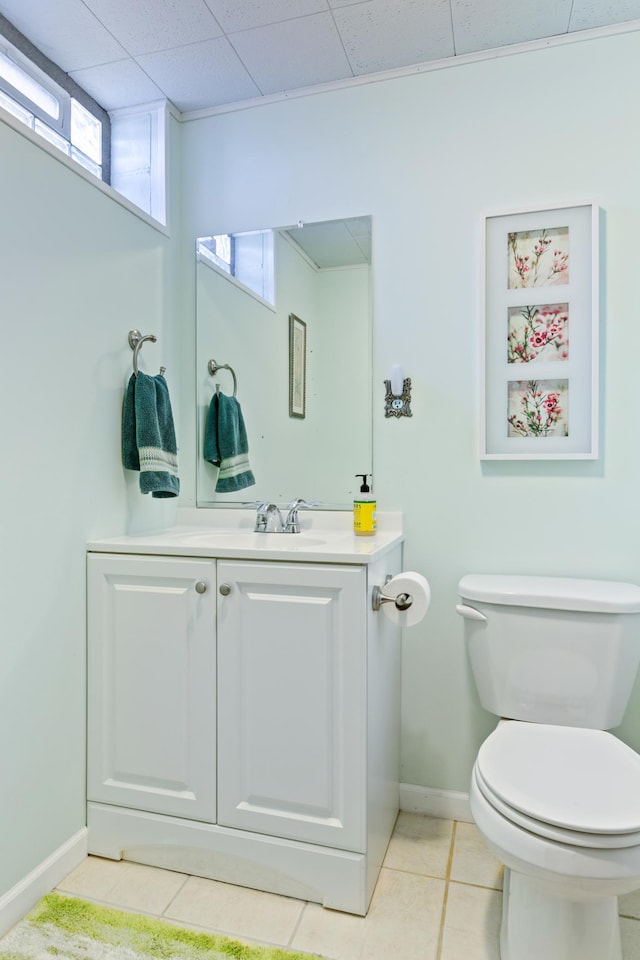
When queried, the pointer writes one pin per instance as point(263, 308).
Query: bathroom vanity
point(243, 711)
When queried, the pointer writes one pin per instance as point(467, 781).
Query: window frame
point(46, 73)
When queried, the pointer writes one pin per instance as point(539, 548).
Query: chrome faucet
point(268, 519)
point(292, 524)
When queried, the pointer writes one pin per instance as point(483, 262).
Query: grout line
point(296, 926)
point(451, 850)
point(416, 873)
point(187, 877)
point(445, 899)
point(123, 908)
point(442, 921)
point(173, 921)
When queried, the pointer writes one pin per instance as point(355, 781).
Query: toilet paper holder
point(402, 601)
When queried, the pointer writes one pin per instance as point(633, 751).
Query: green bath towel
point(226, 445)
point(148, 435)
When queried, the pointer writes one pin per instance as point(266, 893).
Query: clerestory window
point(40, 95)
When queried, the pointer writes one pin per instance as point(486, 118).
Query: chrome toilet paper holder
point(402, 601)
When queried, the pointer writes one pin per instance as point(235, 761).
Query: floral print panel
point(538, 333)
point(538, 258)
point(538, 408)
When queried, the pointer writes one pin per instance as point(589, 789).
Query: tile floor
point(438, 898)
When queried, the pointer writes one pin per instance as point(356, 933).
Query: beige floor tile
point(472, 861)
point(630, 935)
point(403, 922)
point(122, 884)
point(629, 905)
point(236, 911)
point(472, 923)
point(420, 845)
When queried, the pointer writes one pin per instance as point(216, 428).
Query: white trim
point(428, 66)
point(339, 879)
point(80, 171)
point(158, 112)
point(150, 106)
point(433, 802)
point(17, 902)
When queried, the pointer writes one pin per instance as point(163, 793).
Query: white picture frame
point(539, 396)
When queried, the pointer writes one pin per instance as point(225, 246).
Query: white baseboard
point(446, 804)
point(25, 894)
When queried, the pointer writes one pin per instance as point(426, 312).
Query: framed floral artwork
point(540, 342)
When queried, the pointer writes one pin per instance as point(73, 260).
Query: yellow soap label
point(364, 516)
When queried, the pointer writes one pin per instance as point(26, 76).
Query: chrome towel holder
point(135, 342)
point(213, 368)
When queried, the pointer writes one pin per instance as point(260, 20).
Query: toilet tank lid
point(552, 593)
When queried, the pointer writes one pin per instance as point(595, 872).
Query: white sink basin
point(248, 539)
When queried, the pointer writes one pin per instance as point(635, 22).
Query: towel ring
point(135, 342)
point(214, 367)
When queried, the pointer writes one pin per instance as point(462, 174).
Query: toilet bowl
point(555, 796)
point(560, 807)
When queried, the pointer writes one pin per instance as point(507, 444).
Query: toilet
point(555, 796)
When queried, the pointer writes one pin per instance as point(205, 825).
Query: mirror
point(294, 324)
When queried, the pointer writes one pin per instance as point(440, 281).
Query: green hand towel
point(226, 445)
point(148, 435)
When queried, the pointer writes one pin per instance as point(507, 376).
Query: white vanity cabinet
point(244, 719)
point(152, 684)
point(292, 700)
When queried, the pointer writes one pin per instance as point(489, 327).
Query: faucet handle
point(298, 502)
point(291, 523)
point(261, 516)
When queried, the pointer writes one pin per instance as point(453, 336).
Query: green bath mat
point(63, 928)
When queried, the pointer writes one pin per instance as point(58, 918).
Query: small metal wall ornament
point(398, 404)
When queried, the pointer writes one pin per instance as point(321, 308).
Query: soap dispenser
point(364, 510)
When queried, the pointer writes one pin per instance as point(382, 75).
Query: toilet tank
point(552, 650)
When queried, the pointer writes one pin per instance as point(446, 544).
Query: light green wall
point(429, 156)
point(77, 273)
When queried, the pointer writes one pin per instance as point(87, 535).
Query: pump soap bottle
point(364, 510)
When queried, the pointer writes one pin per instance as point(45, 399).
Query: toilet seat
point(573, 785)
point(607, 841)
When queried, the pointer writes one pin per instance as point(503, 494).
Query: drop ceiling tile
point(118, 84)
point(47, 26)
point(200, 75)
point(233, 15)
point(496, 23)
point(145, 26)
point(329, 244)
point(586, 14)
point(385, 34)
point(292, 54)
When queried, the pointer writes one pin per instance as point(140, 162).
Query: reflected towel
point(225, 444)
point(148, 435)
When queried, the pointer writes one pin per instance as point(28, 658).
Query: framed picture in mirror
point(297, 366)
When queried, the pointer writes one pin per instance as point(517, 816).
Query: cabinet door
point(292, 701)
point(152, 690)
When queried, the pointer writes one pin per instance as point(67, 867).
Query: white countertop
point(325, 537)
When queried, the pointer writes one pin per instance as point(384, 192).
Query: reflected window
point(247, 257)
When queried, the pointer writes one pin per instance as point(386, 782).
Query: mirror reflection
point(284, 317)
